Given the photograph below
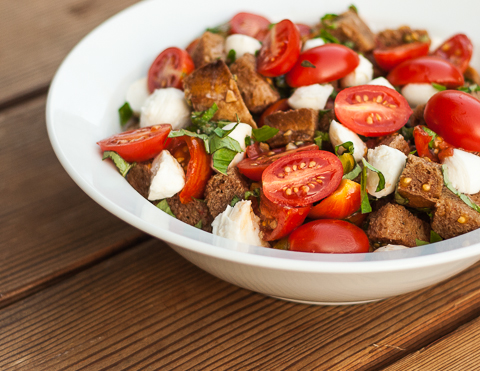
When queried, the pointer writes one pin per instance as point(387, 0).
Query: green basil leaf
point(354, 173)
point(328, 17)
point(421, 243)
point(182, 132)
point(122, 165)
point(399, 199)
point(199, 225)
point(308, 64)
point(163, 205)
point(407, 133)
point(328, 37)
point(264, 133)
point(353, 8)
point(235, 199)
point(222, 158)
point(125, 112)
point(365, 205)
point(202, 119)
point(435, 237)
point(463, 197)
point(231, 56)
point(439, 87)
point(216, 143)
point(381, 178)
point(348, 146)
point(255, 193)
point(248, 141)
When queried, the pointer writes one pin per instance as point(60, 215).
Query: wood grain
point(48, 226)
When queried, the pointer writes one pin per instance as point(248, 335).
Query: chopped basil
point(235, 199)
point(353, 174)
point(182, 132)
point(407, 133)
point(420, 242)
point(282, 87)
point(381, 178)
point(255, 193)
point(271, 25)
point(222, 158)
point(435, 237)
point(399, 199)
point(227, 142)
point(439, 87)
point(469, 89)
point(328, 37)
point(432, 134)
point(202, 120)
point(413, 152)
point(349, 44)
point(248, 141)
point(348, 146)
point(365, 205)
point(122, 165)
point(199, 225)
point(221, 29)
point(334, 94)
point(353, 8)
point(308, 64)
point(328, 17)
point(321, 137)
point(231, 56)
point(125, 112)
point(163, 205)
point(264, 133)
point(463, 197)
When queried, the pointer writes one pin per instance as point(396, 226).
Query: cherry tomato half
point(440, 148)
point(280, 105)
point(138, 145)
point(304, 30)
point(372, 110)
point(457, 50)
point(169, 69)
point(248, 24)
point(280, 49)
point(427, 69)
point(387, 58)
point(302, 178)
point(454, 115)
point(329, 236)
point(344, 201)
point(277, 221)
point(254, 167)
point(322, 64)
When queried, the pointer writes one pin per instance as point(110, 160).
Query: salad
point(318, 138)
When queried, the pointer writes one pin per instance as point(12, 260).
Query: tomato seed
point(288, 191)
point(281, 175)
point(305, 189)
point(295, 190)
point(312, 164)
point(319, 181)
point(302, 165)
point(288, 169)
point(294, 167)
point(379, 118)
point(365, 98)
point(358, 99)
point(311, 185)
point(369, 120)
point(379, 99)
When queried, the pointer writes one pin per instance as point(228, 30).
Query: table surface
point(82, 290)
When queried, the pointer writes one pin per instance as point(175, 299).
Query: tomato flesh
point(304, 30)
point(440, 148)
point(249, 24)
point(331, 61)
point(302, 178)
point(388, 58)
point(372, 110)
point(329, 236)
point(138, 145)
point(280, 105)
point(457, 50)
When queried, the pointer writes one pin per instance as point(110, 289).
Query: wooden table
point(81, 290)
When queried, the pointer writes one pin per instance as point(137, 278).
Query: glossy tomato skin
point(344, 201)
point(440, 148)
point(278, 221)
point(302, 178)
point(372, 110)
point(329, 236)
point(429, 69)
point(388, 58)
point(131, 148)
point(169, 69)
point(249, 24)
point(458, 50)
point(331, 61)
point(280, 49)
point(455, 116)
point(280, 105)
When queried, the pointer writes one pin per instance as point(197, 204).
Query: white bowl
point(90, 86)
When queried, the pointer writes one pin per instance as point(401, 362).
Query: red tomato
point(169, 69)
point(343, 202)
point(372, 110)
point(302, 178)
point(329, 236)
point(457, 50)
point(253, 168)
point(198, 169)
point(426, 70)
point(280, 105)
point(387, 58)
point(248, 24)
point(280, 49)
point(304, 30)
point(440, 148)
point(331, 61)
point(277, 220)
point(454, 115)
point(191, 47)
point(138, 145)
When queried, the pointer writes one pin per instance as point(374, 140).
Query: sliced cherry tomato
point(304, 30)
point(198, 169)
point(344, 201)
point(387, 58)
point(457, 50)
point(280, 105)
point(454, 115)
point(322, 64)
point(302, 178)
point(169, 69)
point(140, 144)
point(280, 49)
point(434, 149)
point(427, 69)
point(248, 24)
point(253, 168)
point(329, 236)
point(372, 110)
point(277, 221)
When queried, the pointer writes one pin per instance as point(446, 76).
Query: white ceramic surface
point(91, 83)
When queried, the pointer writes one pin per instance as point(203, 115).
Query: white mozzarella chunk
point(313, 43)
point(239, 223)
point(137, 94)
point(390, 162)
point(463, 171)
point(242, 44)
point(382, 81)
point(391, 248)
point(361, 75)
point(416, 94)
point(239, 134)
point(435, 42)
point(165, 106)
point(168, 177)
point(311, 96)
point(340, 134)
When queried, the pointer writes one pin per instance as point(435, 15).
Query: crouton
point(394, 224)
point(472, 75)
point(191, 213)
point(417, 117)
point(325, 118)
point(140, 177)
point(396, 141)
point(400, 36)
point(208, 49)
point(294, 125)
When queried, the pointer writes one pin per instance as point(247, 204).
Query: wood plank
point(49, 227)
point(36, 35)
point(147, 308)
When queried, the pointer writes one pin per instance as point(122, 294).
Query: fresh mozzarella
point(361, 75)
point(239, 134)
point(165, 106)
point(137, 94)
point(239, 223)
point(391, 248)
point(416, 94)
point(463, 171)
point(242, 44)
point(435, 42)
point(340, 134)
point(168, 177)
point(313, 43)
point(311, 96)
point(390, 162)
point(382, 81)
